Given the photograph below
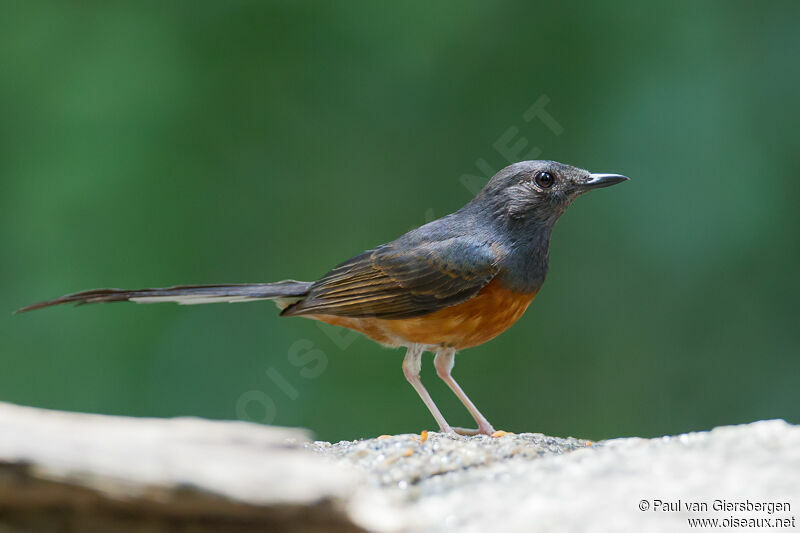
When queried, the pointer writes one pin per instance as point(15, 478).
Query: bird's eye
point(544, 180)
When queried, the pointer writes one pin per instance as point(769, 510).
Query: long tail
point(283, 293)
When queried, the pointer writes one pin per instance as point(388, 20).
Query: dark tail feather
point(283, 292)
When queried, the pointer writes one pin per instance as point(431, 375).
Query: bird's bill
point(597, 181)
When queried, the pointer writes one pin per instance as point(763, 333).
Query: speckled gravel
point(403, 460)
point(534, 483)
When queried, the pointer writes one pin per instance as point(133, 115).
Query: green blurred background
point(151, 144)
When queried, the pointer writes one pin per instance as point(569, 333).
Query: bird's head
point(539, 191)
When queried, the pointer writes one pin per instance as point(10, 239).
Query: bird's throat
point(524, 267)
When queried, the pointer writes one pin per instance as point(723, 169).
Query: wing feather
point(397, 281)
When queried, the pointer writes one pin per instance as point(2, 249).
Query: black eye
point(544, 180)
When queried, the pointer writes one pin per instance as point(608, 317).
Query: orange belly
point(482, 318)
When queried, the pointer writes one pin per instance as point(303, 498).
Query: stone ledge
point(77, 472)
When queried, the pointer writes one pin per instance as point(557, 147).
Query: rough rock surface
point(74, 472)
point(531, 482)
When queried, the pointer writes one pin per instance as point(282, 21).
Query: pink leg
point(444, 361)
point(411, 367)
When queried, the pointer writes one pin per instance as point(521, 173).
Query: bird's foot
point(481, 430)
point(446, 429)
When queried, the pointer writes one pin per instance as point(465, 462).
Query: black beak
point(597, 181)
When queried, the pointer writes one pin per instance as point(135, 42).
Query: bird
point(451, 284)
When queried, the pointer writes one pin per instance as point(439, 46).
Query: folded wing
point(396, 281)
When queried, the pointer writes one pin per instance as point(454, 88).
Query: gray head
point(538, 191)
point(522, 203)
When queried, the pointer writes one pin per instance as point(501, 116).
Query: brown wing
point(393, 281)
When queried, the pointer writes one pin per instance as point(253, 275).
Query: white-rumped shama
point(454, 283)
